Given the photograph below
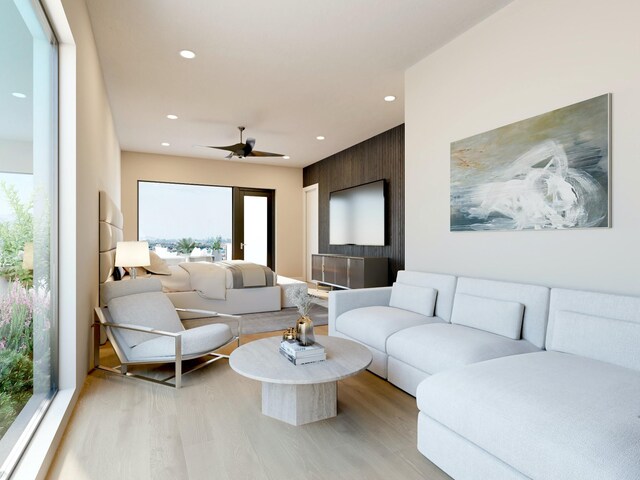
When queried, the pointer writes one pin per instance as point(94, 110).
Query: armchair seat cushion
point(546, 414)
point(194, 341)
point(372, 326)
point(441, 346)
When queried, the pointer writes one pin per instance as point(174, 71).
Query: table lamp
point(132, 255)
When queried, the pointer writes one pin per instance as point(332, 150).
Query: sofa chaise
point(561, 401)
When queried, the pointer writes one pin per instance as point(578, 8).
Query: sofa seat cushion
point(438, 347)
point(194, 341)
point(547, 414)
point(374, 325)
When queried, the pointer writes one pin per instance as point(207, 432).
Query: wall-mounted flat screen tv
point(356, 215)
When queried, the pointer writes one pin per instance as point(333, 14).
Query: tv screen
point(356, 215)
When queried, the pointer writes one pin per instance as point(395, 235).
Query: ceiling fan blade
point(248, 148)
point(230, 148)
point(257, 153)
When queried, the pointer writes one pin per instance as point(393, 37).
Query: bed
point(186, 285)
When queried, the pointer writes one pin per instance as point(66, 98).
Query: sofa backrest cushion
point(416, 299)
point(149, 309)
point(605, 339)
point(534, 298)
point(605, 331)
point(495, 316)
point(444, 285)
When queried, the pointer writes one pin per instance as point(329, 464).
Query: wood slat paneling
point(380, 157)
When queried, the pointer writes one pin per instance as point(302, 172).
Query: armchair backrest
point(140, 302)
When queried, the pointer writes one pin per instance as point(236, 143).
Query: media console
point(350, 272)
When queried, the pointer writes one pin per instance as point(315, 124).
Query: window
point(182, 221)
point(28, 225)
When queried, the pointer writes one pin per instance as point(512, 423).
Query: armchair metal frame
point(104, 320)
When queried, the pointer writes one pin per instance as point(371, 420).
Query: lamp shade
point(132, 254)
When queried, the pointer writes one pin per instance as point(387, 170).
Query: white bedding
point(178, 281)
point(207, 279)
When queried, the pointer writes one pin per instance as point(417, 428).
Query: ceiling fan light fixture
point(320, 137)
point(390, 98)
point(171, 116)
point(165, 144)
point(286, 157)
point(187, 54)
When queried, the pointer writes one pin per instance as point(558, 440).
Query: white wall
point(529, 58)
point(97, 168)
point(286, 181)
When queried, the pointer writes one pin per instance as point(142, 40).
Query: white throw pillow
point(606, 339)
point(157, 265)
point(413, 298)
point(496, 316)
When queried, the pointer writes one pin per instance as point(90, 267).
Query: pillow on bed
point(158, 265)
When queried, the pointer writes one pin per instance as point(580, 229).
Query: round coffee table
point(299, 394)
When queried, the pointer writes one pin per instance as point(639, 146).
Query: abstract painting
point(547, 172)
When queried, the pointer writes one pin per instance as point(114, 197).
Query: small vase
point(304, 331)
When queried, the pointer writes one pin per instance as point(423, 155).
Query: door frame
point(237, 228)
point(305, 253)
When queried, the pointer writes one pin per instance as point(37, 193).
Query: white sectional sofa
point(498, 403)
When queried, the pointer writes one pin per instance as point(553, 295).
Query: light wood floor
point(212, 428)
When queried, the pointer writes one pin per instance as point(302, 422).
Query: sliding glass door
point(28, 224)
point(253, 226)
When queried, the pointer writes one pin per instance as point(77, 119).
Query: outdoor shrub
point(16, 385)
point(16, 319)
point(14, 234)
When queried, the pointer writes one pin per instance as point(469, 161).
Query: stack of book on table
point(300, 354)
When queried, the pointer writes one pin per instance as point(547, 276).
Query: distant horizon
point(169, 211)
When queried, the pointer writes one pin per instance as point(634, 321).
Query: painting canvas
point(546, 172)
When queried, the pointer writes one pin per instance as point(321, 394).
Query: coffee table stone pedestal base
point(300, 404)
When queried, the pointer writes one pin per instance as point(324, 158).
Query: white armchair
point(143, 327)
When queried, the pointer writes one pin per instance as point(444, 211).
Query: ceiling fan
point(242, 150)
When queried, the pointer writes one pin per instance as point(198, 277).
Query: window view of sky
point(174, 211)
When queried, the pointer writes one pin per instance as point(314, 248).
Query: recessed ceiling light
point(165, 144)
point(172, 117)
point(19, 95)
point(319, 137)
point(286, 157)
point(187, 54)
point(389, 98)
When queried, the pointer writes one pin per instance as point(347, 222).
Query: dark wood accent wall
point(380, 157)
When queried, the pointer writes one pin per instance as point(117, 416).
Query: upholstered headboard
point(111, 223)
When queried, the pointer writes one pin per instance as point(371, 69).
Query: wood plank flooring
point(213, 428)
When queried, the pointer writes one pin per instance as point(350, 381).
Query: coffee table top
point(260, 360)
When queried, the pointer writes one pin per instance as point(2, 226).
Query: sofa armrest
point(345, 300)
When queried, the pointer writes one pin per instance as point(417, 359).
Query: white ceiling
point(288, 70)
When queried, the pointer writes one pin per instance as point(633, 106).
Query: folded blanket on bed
point(208, 279)
point(248, 274)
